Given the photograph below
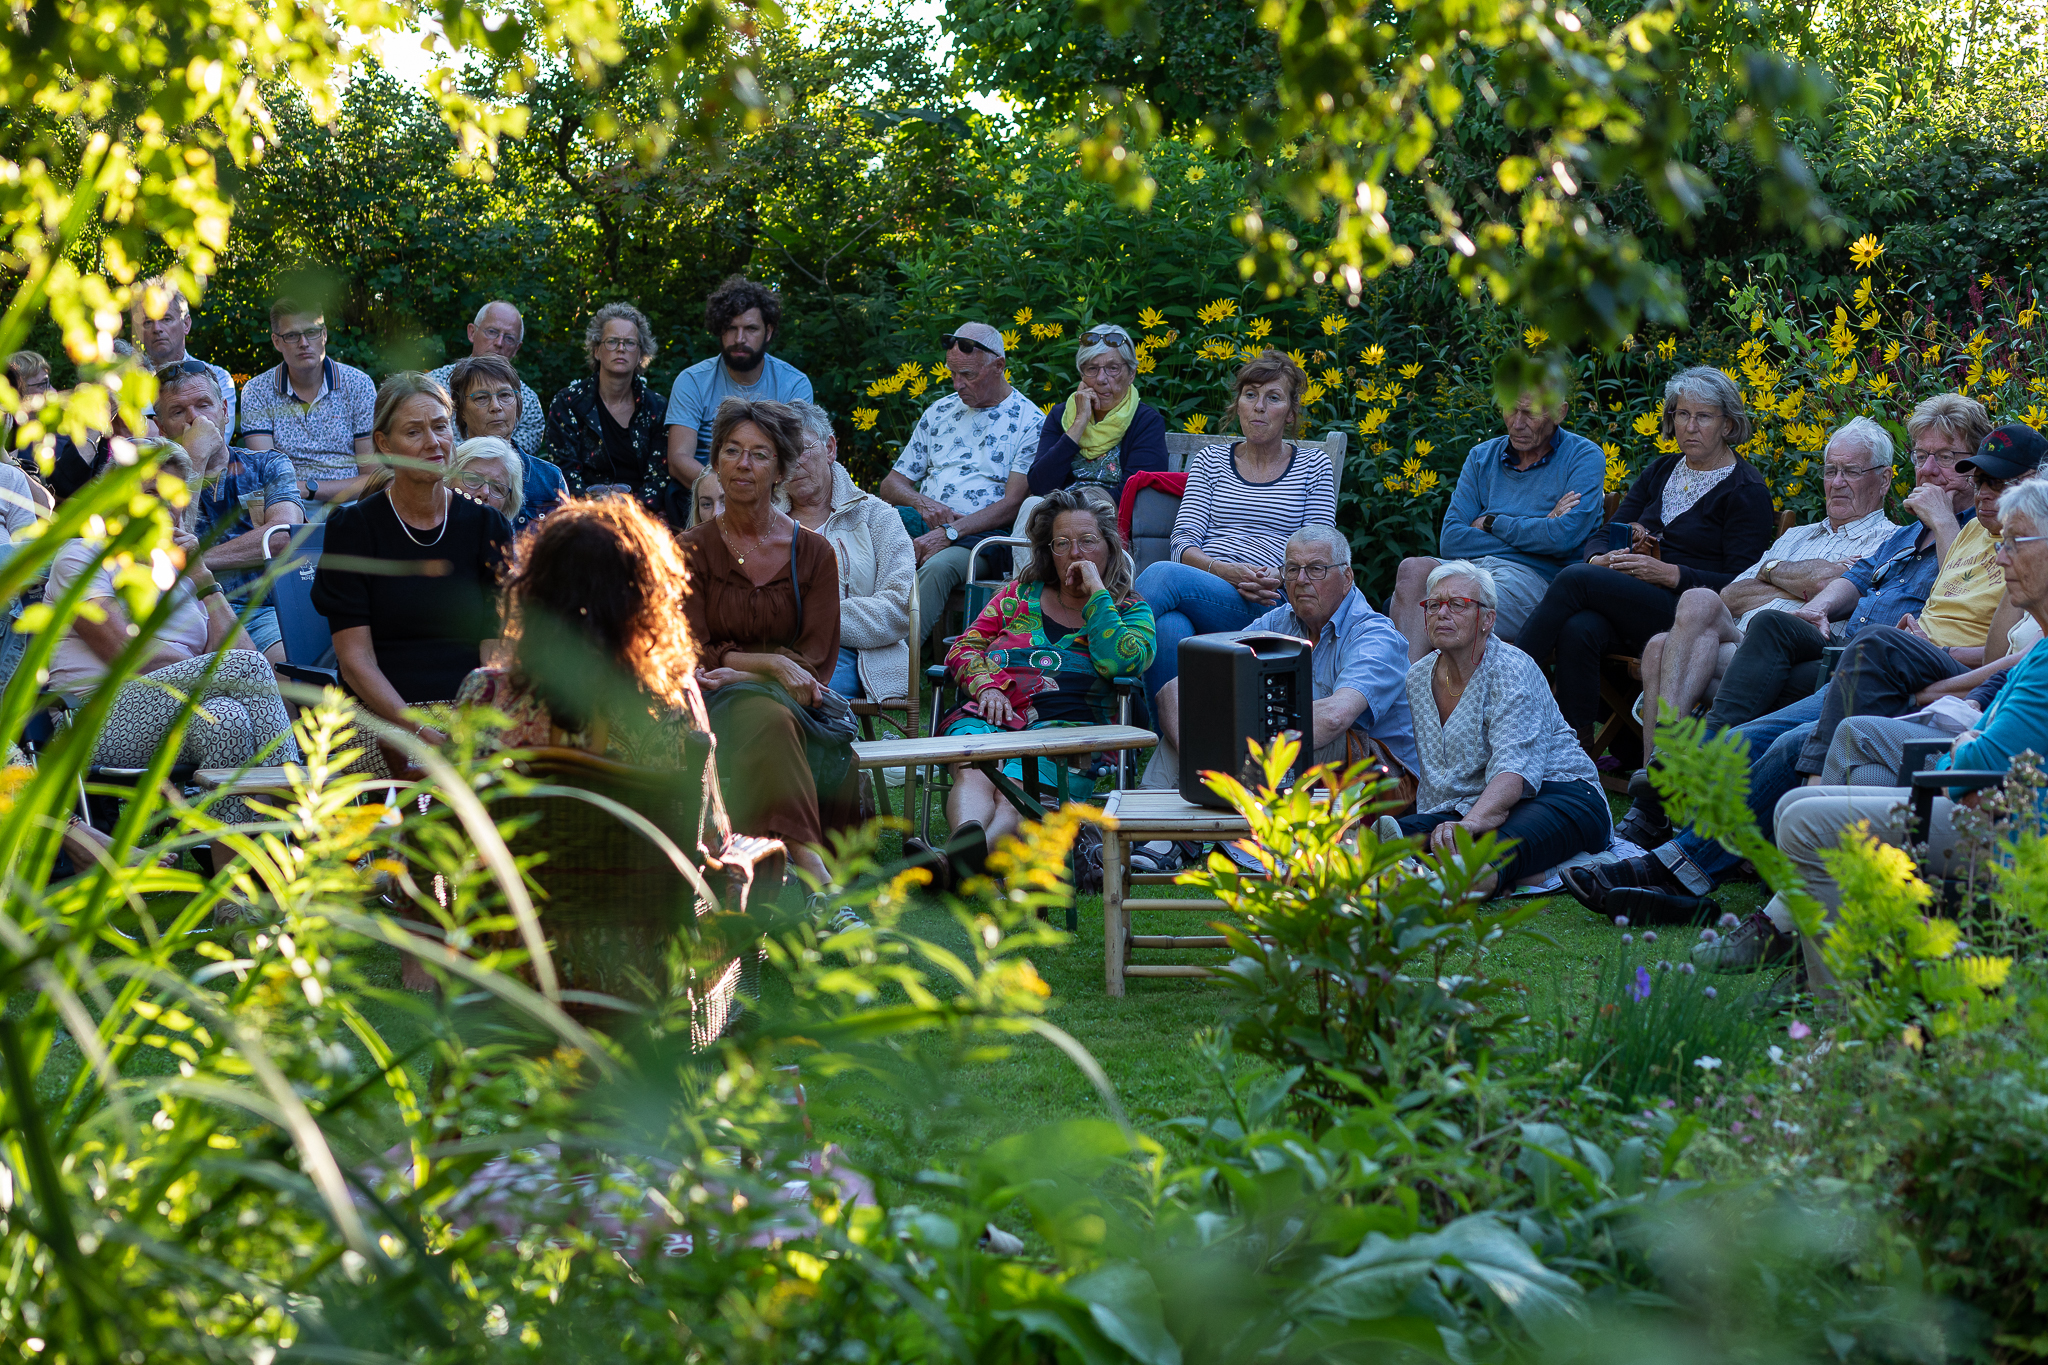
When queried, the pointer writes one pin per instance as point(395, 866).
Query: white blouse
point(1506, 722)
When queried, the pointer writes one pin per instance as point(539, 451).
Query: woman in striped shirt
point(1243, 500)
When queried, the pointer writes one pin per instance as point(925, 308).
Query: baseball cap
point(2008, 452)
point(978, 332)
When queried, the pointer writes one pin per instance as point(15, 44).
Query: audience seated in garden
point(1683, 665)
point(763, 610)
point(1905, 575)
point(72, 465)
point(1243, 500)
point(877, 566)
point(598, 652)
point(197, 650)
point(1781, 745)
point(409, 638)
point(1524, 506)
point(744, 317)
point(1103, 433)
point(1359, 666)
point(247, 500)
point(1041, 655)
point(490, 400)
point(18, 512)
point(1811, 820)
point(160, 321)
point(312, 407)
point(963, 472)
point(1497, 755)
point(604, 432)
point(1694, 519)
point(496, 334)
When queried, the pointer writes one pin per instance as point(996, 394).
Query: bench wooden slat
point(1052, 743)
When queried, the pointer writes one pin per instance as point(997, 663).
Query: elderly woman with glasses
point(1497, 757)
point(490, 400)
point(605, 431)
point(877, 564)
point(1040, 655)
point(1104, 433)
point(1694, 519)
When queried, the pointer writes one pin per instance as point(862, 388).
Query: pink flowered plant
point(1798, 1030)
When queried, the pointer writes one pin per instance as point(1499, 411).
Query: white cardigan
point(877, 575)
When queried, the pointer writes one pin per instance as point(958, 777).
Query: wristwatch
point(1770, 567)
point(1486, 522)
point(952, 532)
point(313, 488)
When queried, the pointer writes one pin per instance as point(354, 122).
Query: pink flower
point(1798, 1030)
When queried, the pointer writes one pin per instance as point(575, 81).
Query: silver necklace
point(445, 519)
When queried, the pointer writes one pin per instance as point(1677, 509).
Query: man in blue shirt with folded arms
point(1524, 505)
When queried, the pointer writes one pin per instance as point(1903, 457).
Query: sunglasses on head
point(959, 343)
point(1096, 338)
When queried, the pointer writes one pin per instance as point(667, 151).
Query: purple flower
point(1649, 935)
point(1728, 921)
point(1798, 1030)
point(1640, 991)
point(1628, 938)
point(1710, 993)
point(1621, 921)
point(1685, 968)
point(1709, 936)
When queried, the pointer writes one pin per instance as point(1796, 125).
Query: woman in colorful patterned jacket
point(1042, 654)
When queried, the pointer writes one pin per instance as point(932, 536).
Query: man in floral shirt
point(962, 473)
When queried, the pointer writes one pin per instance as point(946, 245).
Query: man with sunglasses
point(964, 471)
point(315, 409)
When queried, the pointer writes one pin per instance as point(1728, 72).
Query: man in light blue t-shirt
point(744, 317)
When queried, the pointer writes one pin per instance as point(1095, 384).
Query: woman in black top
point(1695, 519)
point(410, 638)
point(606, 432)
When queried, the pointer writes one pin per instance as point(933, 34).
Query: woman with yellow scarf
point(1103, 434)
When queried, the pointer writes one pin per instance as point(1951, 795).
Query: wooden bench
point(987, 752)
point(1136, 817)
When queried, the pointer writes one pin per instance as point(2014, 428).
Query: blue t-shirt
point(698, 391)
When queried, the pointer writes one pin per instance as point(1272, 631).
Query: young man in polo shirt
point(744, 316)
point(162, 338)
point(316, 410)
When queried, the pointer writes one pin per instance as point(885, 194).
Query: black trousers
point(1589, 613)
point(1776, 664)
point(1881, 672)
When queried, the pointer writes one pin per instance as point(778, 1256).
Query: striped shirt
point(1225, 516)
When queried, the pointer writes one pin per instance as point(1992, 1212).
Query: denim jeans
point(846, 673)
point(1562, 819)
point(1187, 601)
point(1774, 744)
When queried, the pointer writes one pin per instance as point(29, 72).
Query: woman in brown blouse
point(763, 608)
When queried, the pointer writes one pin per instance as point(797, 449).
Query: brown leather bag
point(1365, 749)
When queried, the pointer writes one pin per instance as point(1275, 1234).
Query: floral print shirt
point(576, 440)
point(1008, 647)
point(964, 457)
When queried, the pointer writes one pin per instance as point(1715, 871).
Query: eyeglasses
point(1946, 459)
point(1102, 334)
point(1988, 485)
point(968, 344)
point(493, 396)
point(1844, 474)
point(1103, 369)
point(1685, 417)
point(2007, 544)
point(1081, 545)
point(317, 332)
point(499, 335)
point(1313, 573)
point(619, 344)
point(1454, 605)
point(481, 482)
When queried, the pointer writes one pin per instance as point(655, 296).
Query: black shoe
point(1750, 946)
point(967, 850)
point(1589, 886)
point(1643, 830)
point(1646, 796)
point(918, 853)
point(1640, 905)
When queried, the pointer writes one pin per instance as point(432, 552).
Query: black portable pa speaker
point(1236, 687)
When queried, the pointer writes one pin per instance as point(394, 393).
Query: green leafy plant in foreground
point(1352, 962)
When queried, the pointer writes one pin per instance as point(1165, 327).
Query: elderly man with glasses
point(964, 471)
point(1359, 667)
point(1682, 665)
point(499, 331)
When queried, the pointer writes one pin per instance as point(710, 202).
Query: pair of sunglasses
point(1106, 334)
point(958, 343)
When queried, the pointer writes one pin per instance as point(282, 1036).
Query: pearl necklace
point(445, 519)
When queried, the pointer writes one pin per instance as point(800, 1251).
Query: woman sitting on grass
point(1497, 755)
point(1041, 655)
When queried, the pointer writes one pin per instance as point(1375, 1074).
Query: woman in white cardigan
point(877, 563)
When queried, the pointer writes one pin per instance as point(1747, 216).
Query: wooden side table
point(1141, 816)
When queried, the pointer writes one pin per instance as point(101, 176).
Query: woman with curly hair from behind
point(601, 657)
